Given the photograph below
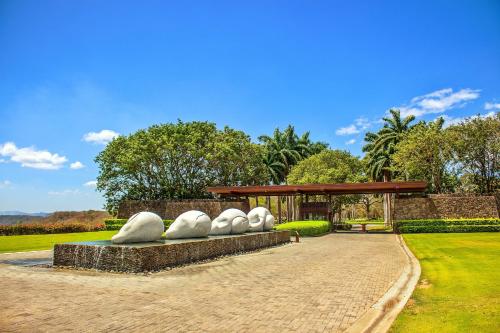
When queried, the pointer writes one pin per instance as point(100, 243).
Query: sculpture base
point(155, 256)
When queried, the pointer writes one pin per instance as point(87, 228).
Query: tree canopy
point(329, 166)
point(284, 149)
point(425, 154)
point(475, 145)
point(381, 146)
point(177, 161)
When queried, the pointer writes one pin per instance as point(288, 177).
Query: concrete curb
point(382, 314)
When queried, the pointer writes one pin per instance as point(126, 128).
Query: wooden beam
point(321, 189)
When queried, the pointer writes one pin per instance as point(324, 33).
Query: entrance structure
point(304, 191)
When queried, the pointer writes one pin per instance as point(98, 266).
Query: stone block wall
point(155, 256)
point(445, 206)
point(170, 209)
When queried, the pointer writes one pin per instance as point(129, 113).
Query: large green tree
point(425, 154)
point(286, 148)
point(476, 151)
point(380, 148)
point(177, 161)
point(329, 166)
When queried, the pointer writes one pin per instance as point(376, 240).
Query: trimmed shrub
point(448, 228)
point(342, 226)
point(365, 221)
point(447, 225)
point(49, 228)
point(306, 228)
point(116, 224)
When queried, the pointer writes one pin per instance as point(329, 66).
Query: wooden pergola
point(290, 191)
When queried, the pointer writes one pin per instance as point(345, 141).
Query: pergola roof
point(320, 189)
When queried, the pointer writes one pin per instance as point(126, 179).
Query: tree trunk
point(367, 208)
point(387, 202)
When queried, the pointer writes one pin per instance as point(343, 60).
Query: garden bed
point(116, 224)
point(48, 228)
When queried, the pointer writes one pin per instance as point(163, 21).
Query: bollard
point(297, 240)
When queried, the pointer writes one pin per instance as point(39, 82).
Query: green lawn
point(459, 290)
point(46, 242)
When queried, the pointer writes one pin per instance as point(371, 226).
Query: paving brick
point(319, 285)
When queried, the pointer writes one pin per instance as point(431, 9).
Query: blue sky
point(71, 69)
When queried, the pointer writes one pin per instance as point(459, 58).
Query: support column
point(288, 215)
point(388, 209)
point(279, 209)
point(256, 201)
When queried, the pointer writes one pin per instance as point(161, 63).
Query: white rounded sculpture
point(260, 219)
point(141, 227)
point(230, 221)
point(191, 224)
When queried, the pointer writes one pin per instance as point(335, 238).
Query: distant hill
point(87, 217)
point(18, 213)
point(13, 219)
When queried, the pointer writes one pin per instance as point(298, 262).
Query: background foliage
point(177, 161)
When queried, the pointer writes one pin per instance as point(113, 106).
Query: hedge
point(448, 228)
point(49, 228)
point(447, 225)
point(116, 224)
point(305, 228)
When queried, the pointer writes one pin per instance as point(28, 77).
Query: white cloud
point(103, 137)
point(492, 106)
point(76, 165)
point(349, 130)
point(63, 192)
point(30, 157)
point(450, 121)
point(5, 183)
point(360, 124)
point(350, 142)
point(438, 101)
point(91, 183)
point(363, 123)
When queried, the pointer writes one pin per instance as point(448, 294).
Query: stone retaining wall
point(170, 209)
point(445, 206)
point(155, 256)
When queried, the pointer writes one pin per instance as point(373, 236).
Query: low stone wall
point(170, 209)
point(445, 206)
point(155, 256)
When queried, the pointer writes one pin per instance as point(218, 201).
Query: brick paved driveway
point(320, 285)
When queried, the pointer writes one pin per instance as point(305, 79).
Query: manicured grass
point(306, 228)
point(46, 242)
point(459, 290)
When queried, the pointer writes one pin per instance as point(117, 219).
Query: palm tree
point(282, 146)
point(284, 149)
point(381, 146)
point(275, 168)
